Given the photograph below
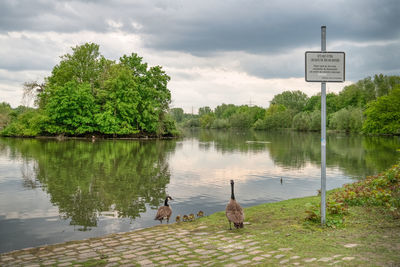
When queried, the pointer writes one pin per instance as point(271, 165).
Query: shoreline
point(274, 234)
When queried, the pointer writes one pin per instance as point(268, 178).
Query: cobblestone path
point(167, 246)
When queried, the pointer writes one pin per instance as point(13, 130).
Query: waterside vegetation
point(370, 106)
point(87, 94)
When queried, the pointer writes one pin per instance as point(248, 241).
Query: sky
point(241, 52)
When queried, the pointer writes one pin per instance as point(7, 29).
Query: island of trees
point(87, 94)
point(370, 106)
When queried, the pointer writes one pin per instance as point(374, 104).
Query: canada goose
point(234, 212)
point(200, 213)
point(191, 217)
point(185, 218)
point(178, 219)
point(281, 180)
point(164, 212)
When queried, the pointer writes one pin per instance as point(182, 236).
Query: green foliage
point(295, 100)
point(71, 109)
point(177, 114)
point(380, 190)
point(119, 103)
point(26, 122)
point(204, 111)
point(302, 121)
point(383, 114)
point(220, 124)
point(5, 118)
point(87, 94)
point(277, 116)
point(206, 120)
point(347, 119)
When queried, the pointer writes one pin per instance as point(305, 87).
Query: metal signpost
point(323, 67)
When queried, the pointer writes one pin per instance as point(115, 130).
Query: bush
point(220, 124)
point(302, 121)
point(347, 119)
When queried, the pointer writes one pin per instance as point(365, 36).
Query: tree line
point(371, 106)
point(88, 94)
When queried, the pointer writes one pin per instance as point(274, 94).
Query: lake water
point(55, 191)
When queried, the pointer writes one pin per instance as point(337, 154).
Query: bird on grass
point(164, 212)
point(185, 218)
point(178, 219)
point(234, 211)
point(191, 217)
point(200, 214)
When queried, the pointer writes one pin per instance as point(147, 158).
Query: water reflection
point(53, 191)
point(86, 180)
point(356, 155)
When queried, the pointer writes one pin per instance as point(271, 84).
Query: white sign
point(325, 66)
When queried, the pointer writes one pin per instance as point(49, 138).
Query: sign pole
point(323, 135)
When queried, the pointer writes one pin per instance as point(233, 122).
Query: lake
point(55, 191)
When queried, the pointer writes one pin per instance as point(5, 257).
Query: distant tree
point(347, 119)
point(5, 110)
point(225, 111)
point(204, 111)
point(302, 121)
point(177, 114)
point(295, 100)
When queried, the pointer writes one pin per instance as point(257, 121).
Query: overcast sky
point(215, 52)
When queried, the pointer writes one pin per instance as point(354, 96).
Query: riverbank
point(274, 234)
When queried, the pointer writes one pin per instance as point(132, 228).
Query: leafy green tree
point(383, 114)
point(154, 94)
point(295, 100)
point(313, 103)
point(206, 120)
point(27, 122)
point(315, 123)
point(120, 98)
point(225, 111)
point(302, 121)
point(241, 120)
point(347, 119)
point(71, 109)
point(276, 116)
point(204, 111)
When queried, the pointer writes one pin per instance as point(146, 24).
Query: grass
point(375, 231)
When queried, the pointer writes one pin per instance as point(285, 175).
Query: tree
point(204, 111)
point(177, 114)
point(347, 119)
point(295, 100)
point(120, 98)
point(5, 110)
point(383, 114)
point(71, 109)
point(154, 94)
point(302, 121)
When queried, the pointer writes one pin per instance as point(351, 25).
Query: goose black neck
point(232, 192)
point(166, 202)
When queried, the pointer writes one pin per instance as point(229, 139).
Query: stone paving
point(162, 246)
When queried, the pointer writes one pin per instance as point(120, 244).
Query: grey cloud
point(208, 28)
point(203, 27)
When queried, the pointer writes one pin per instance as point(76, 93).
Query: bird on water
point(234, 211)
point(164, 212)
